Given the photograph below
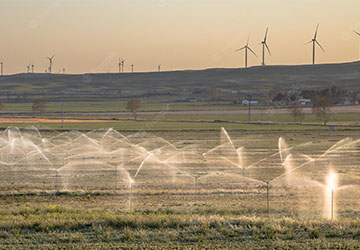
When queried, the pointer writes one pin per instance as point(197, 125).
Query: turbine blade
point(316, 32)
point(356, 32)
point(268, 48)
point(308, 42)
point(247, 43)
point(252, 51)
point(240, 49)
point(320, 46)
point(267, 29)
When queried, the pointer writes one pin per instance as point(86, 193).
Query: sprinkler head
point(332, 181)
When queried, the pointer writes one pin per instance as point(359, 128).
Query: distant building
point(252, 102)
point(347, 101)
point(305, 102)
point(189, 100)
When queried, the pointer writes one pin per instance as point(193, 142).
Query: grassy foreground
point(53, 226)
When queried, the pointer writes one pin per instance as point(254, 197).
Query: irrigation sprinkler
point(115, 174)
point(332, 204)
point(57, 182)
point(331, 186)
point(267, 199)
point(131, 195)
point(195, 189)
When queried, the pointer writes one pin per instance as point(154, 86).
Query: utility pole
point(249, 108)
point(262, 112)
point(62, 115)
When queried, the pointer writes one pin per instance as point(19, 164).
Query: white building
point(246, 102)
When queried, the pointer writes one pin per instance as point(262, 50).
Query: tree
point(279, 97)
point(133, 106)
point(277, 90)
point(40, 106)
point(297, 112)
point(321, 108)
point(212, 92)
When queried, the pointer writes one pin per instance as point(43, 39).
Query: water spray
point(331, 187)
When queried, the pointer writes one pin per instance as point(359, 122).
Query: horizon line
point(185, 70)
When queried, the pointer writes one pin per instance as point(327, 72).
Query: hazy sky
point(90, 35)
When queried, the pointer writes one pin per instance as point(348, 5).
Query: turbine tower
point(50, 63)
point(314, 41)
point(246, 47)
point(2, 68)
point(159, 68)
point(132, 68)
point(28, 68)
point(121, 65)
point(32, 68)
point(264, 45)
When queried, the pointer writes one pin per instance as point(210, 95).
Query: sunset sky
point(90, 35)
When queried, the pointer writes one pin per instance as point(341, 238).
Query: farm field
point(195, 188)
point(190, 173)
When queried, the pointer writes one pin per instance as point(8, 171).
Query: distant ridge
point(256, 78)
point(329, 68)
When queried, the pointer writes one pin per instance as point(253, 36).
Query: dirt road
point(335, 110)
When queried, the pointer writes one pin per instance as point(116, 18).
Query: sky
point(89, 36)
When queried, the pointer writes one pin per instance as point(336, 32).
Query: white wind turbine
point(246, 48)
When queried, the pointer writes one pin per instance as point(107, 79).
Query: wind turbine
point(28, 68)
point(2, 68)
point(246, 47)
point(132, 68)
point(50, 63)
point(264, 44)
point(159, 68)
point(122, 65)
point(32, 68)
point(314, 41)
point(63, 71)
point(119, 65)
